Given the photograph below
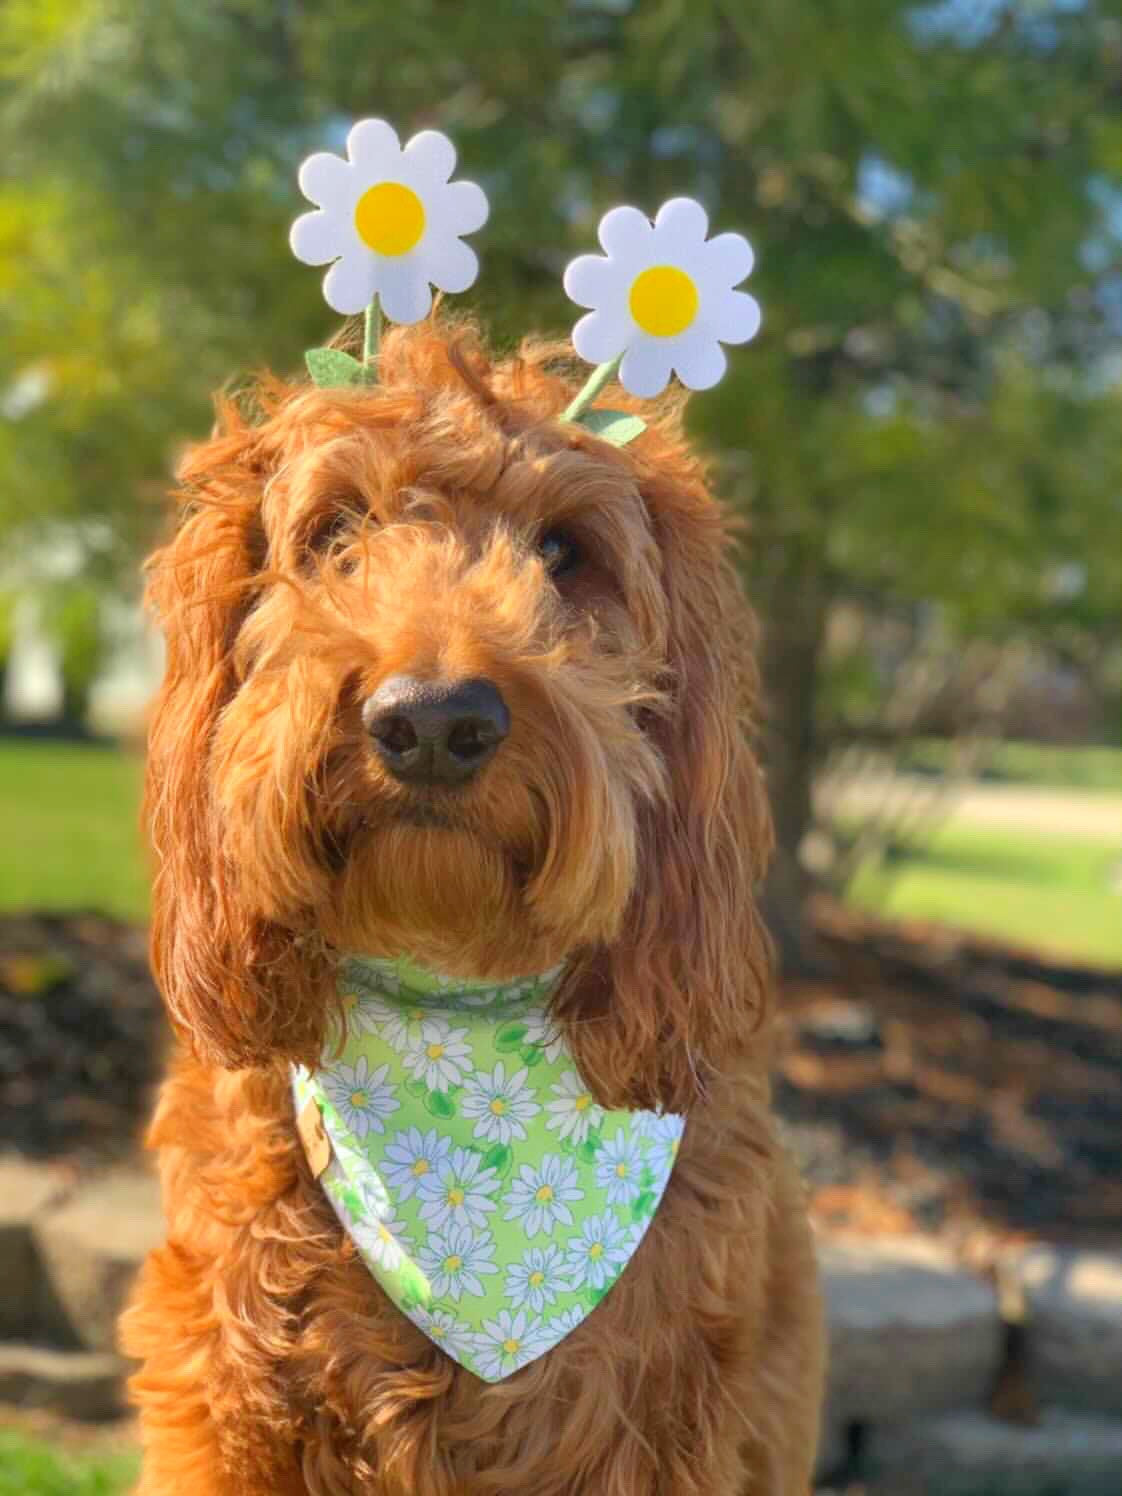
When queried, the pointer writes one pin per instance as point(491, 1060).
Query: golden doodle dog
point(450, 678)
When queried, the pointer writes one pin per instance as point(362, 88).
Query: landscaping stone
point(79, 1384)
point(969, 1454)
point(26, 1304)
point(1073, 1302)
point(910, 1332)
point(92, 1247)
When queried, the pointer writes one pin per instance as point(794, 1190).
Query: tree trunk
point(793, 611)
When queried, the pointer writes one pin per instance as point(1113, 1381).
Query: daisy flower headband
point(390, 222)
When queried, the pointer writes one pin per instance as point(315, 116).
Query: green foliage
point(29, 1467)
point(74, 621)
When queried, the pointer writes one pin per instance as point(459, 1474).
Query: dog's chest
point(494, 1201)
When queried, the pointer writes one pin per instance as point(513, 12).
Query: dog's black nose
point(426, 732)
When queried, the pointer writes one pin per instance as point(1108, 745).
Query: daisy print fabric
point(389, 221)
point(662, 297)
point(491, 1197)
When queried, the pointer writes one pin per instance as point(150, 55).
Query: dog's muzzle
point(434, 733)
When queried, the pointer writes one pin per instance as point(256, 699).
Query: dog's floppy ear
point(679, 996)
point(227, 976)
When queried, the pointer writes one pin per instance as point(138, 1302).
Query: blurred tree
point(74, 621)
point(931, 412)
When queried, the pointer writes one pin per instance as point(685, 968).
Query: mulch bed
point(933, 1082)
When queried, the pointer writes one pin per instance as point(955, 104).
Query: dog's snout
point(429, 732)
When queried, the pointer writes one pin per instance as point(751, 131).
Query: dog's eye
point(559, 551)
point(332, 529)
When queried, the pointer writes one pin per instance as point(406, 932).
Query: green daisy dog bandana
point(485, 1190)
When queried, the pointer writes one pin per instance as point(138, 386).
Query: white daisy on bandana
point(458, 1190)
point(390, 219)
point(541, 1196)
point(450, 1333)
point(543, 1032)
point(507, 1342)
point(595, 1256)
point(662, 296)
point(566, 1321)
point(364, 1013)
point(401, 1026)
point(361, 1096)
point(454, 1260)
point(501, 1105)
point(386, 1241)
point(536, 1281)
point(411, 1156)
point(666, 1137)
point(439, 1055)
point(574, 1114)
point(619, 1168)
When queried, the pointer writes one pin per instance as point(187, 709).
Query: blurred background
point(926, 443)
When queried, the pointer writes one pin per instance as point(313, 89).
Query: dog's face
point(451, 680)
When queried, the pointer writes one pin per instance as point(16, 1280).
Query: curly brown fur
point(341, 537)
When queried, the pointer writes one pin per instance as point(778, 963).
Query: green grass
point(29, 1467)
point(1050, 892)
point(68, 829)
point(1033, 764)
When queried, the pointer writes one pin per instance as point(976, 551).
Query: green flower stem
point(372, 333)
point(592, 387)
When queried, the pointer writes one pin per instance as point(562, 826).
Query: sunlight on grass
point(69, 839)
point(29, 1467)
point(1058, 894)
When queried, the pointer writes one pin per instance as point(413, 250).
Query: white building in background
point(119, 700)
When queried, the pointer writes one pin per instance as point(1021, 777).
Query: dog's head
point(448, 678)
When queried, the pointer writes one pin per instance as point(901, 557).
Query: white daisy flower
point(595, 1257)
point(401, 1026)
point(542, 1031)
point(364, 1013)
point(501, 1105)
point(411, 1156)
point(361, 1096)
point(507, 1342)
point(619, 1168)
point(438, 1056)
point(453, 1261)
point(662, 297)
point(566, 1321)
point(575, 1114)
point(458, 1190)
point(541, 1196)
point(384, 1241)
point(537, 1279)
point(666, 1137)
point(390, 219)
point(450, 1333)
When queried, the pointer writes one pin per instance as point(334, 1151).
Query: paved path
point(1082, 813)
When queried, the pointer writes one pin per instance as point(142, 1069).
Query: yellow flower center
point(358, 1099)
point(416, 1014)
point(596, 1250)
point(434, 1051)
point(537, 1279)
point(663, 300)
point(420, 1167)
point(436, 1331)
point(545, 1193)
point(453, 1264)
point(582, 1103)
point(511, 1346)
point(455, 1195)
point(384, 1234)
point(621, 1171)
point(498, 1106)
point(390, 218)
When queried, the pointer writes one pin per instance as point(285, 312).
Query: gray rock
point(969, 1454)
point(27, 1306)
point(910, 1332)
point(1073, 1304)
point(79, 1384)
point(92, 1247)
